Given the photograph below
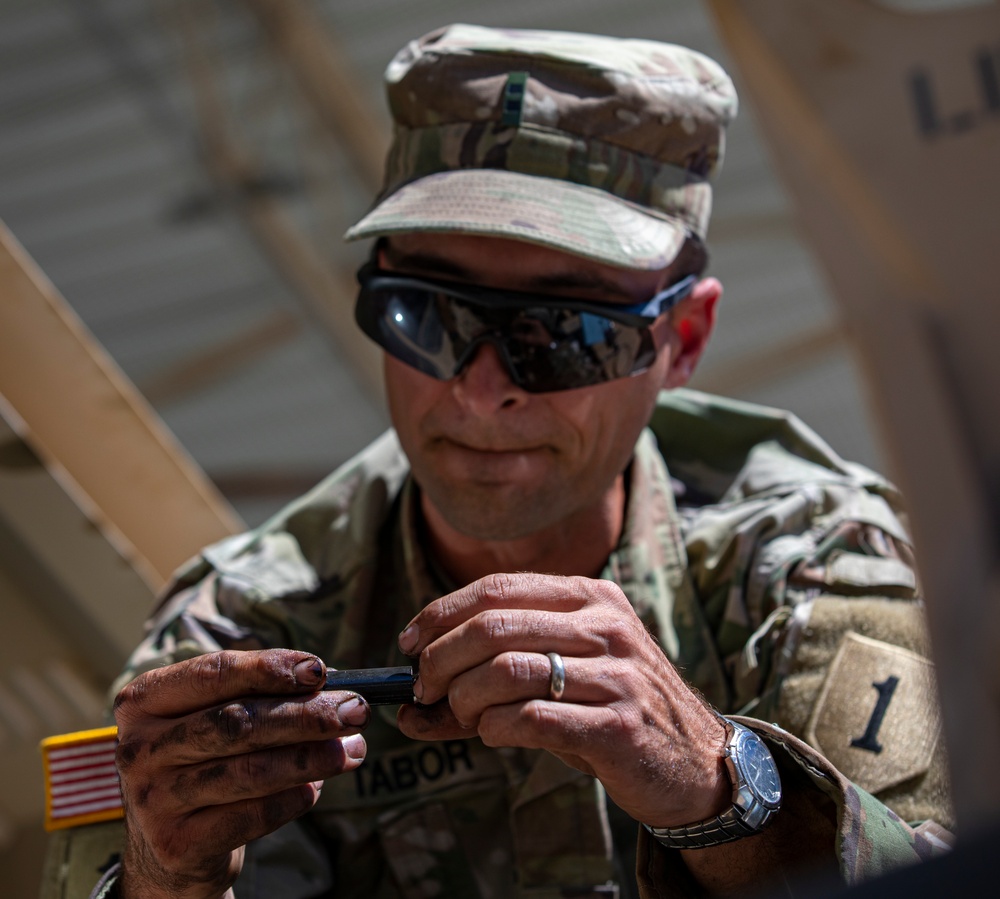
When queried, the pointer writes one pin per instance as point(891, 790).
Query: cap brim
point(584, 221)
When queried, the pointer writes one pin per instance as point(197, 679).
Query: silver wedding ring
point(557, 679)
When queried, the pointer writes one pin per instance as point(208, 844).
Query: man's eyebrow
point(589, 282)
point(567, 283)
point(426, 264)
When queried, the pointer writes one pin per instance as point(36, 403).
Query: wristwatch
point(756, 796)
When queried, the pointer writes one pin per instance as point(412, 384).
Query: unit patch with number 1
point(877, 717)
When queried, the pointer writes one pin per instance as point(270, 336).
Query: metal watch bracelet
point(756, 796)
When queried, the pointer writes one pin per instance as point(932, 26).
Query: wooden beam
point(270, 483)
point(220, 360)
point(65, 572)
point(309, 50)
point(327, 293)
point(83, 413)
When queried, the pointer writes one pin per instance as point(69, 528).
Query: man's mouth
point(490, 448)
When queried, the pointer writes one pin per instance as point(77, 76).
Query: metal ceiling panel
point(103, 181)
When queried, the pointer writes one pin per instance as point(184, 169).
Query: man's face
point(494, 461)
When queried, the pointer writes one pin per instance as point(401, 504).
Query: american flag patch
point(81, 781)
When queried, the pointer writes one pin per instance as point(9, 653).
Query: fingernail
point(408, 639)
point(354, 712)
point(309, 672)
point(418, 689)
point(354, 746)
point(318, 784)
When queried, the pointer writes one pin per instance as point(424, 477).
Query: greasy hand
point(219, 750)
point(626, 715)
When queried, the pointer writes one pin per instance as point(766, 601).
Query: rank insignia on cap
point(876, 717)
point(81, 781)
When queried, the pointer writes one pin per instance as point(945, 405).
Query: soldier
point(595, 570)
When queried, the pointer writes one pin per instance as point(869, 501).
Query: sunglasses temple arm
point(666, 299)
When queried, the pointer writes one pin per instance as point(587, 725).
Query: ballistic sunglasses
point(546, 343)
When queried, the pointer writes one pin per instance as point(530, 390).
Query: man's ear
point(692, 321)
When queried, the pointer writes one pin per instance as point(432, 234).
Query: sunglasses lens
point(545, 348)
point(408, 324)
point(582, 349)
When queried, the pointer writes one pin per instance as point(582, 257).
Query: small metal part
point(377, 686)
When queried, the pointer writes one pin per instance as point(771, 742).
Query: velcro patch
point(877, 717)
point(81, 780)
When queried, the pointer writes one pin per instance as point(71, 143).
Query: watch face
point(760, 771)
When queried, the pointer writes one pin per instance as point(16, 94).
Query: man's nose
point(484, 384)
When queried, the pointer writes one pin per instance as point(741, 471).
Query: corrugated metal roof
point(101, 178)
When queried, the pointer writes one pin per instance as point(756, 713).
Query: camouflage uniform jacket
point(754, 554)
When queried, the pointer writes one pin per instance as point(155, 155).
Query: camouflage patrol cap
point(598, 146)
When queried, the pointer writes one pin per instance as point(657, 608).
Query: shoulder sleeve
point(805, 571)
point(289, 582)
point(840, 656)
point(81, 861)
